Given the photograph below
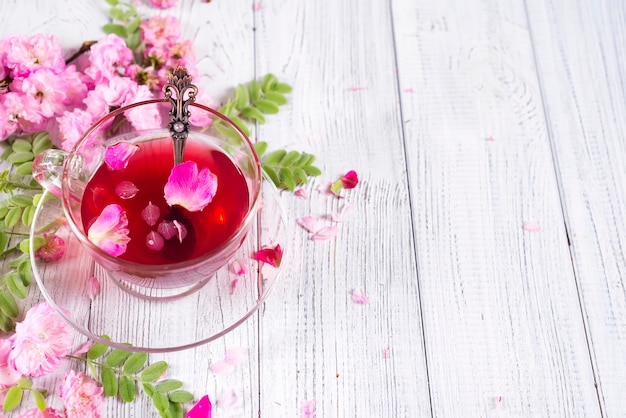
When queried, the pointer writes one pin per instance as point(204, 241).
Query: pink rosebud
point(202, 409)
point(271, 256)
point(53, 249)
point(110, 230)
point(118, 155)
point(154, 241)
point(126, 189)
point(190, 188)
point(81, 396)
point(350, 180)
point(325, 233)
point(151, 214)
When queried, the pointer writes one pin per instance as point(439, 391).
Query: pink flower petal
point(386, 352)
point(271, 256)
point(301, 193)
point(358, 296)
point(409, 90)
point(110, 230)
point(167, 229)
point(203, 409)
point(343, 213)
point(325, 233)
point(189, 188)
point(233, 285)
point(257, 6)
point(531, 226)
point(181, 230)
point(154, 241)
point(308, 409)
point(126, 190)
point(93, 287)
point(239, 267)
point(497, 402)
point(151, 214)
point(324, 188)
point(222, 368)
point(347, 181)
point(230, 398)
point(490, 138)
point(117, 156)
point(53, 248)
point(309, 223)
point(83, 348)
point(236, 355)
point(356, 88)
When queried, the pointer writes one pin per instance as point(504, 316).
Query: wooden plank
point(581, 59)
point(316, 343)
point(502, 322)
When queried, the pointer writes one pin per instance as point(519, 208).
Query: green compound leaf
point(20, 157)
point(276, 97)
point(253, 113)
point(22, 145)
point(269, 80)
point(119, 30)
point(180, 396)
point(282, 88)
point(127, 389)
point(12, 399)
point(25, 169)
point(153, 371)
point(135, 362)
point(149, 389)
point(4, 240)
point(242, 98)
point(254, 90)
point(109, 382)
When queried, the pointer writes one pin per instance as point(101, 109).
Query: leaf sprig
point(121, 371)
point(125, 21)
point(287, 169)
point(14, 395)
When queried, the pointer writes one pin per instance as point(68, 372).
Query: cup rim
point(124, 264)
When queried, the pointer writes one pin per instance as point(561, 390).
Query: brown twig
point(83, 48)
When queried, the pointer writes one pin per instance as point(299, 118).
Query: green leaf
point(135, 362)
point(23, 270)
point(3, 212)
point(6, 152)
point(38, 242)
point(8, 305)
point(149, 389)
point(175, 410)
point(181, 396)
point(153, 371)
point(300, 175)
point(133, 25)
point(311, 170)
point(41, 143)
point(241, 124)
point(4, 239)
point(98, 349)
point(134, 40)
point(271, 173)
point(253, 113)
point(168, 385)
point(305, 159)
point(160, 401)
point(268, 82)
point(254, 88)
point(13, 398)
point(275, 97)
point(113, 2)
point(127, 389)
point(266, 106)
point(260, 148)
point(25, 169)
point(6, 323)
point(20, 157)
point(22, 200)
point(290, 158)
point(22, 145)
point(15, 285)
point(282, 88)
point(109, 381)
point(28, 215)
point(40, 400)
point(117, 357)
point(287, 178)
point(275, 157)
point(119, 30)
point(12, 217)
point(242, 99)
point(25, 383)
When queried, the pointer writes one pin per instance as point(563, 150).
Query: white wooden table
point(464, 120)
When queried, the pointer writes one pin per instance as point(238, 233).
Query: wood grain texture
point(581, 59)
point(501, 312)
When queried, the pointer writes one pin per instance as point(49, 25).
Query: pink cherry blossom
point(144, 117)
point(308, 409)
point(95, 104)
point(230, 398)
point(325, 233)
point(200, 117)
point(110, 230)
point(156, 56)
point(22, 112)
point(72, 127)
point(81, 396)
point(239, 267)
point(272, 256)
point(53, 248)
point(163, 4)
point(309, 223)
point(126, 189)
point(117, 156)
point(108, 58)
point(27, 54)
point(8, 375)
point(189, 188)
point(117, 91)
point(75, 85)
point(183, 49)
point(358, 296)
point(160, 30)
point(37, 413)
point(41, 340)
point(202, 409)
point(48, 89)
point(93, 287)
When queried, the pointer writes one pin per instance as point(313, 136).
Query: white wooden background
point(464, 119)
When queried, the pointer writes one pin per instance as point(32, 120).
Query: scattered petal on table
point(257, 6)
point(325, 233)
point(497, 402)
point(301, 193)
point(490, 138)
point(409, 90)
point(531, 226)
point(222, 368)
point(356, 88)
point(93, 287)
point(239, 267)
point(233, 285)
point(343, 213)
point(324, 188)
point(230, 398)
point(269, 255)
point(308, 409)
point(358, 296)
point(386, 352)
point(117, 156)
point(236, 355)
point(309, 223)
point(83, 348)
point(202, 409)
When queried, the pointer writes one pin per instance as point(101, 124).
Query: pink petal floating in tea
point(189, 188)
point(325, 233)
point(271, 256)
point(236, 355)
point(202, 409)
point(151, 213)
point(239, 267)
point(222, 368)
point(154, 241)
point(93, 287)
point(230, 398)
point(167, 229)
point(358, 296)
point(117, 156)
point(308, 409)
point(110, 230)
point(531, 226)
point(181, 230)
point(309, 223)
point(126, 189)
point(301, 193)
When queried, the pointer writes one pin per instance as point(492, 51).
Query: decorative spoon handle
point(178, 86)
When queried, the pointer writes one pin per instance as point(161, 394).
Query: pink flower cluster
point(40, 341)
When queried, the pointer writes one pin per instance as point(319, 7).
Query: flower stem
point(85, 47)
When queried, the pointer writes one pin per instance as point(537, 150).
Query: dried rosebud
point(53, 248)
point(350, 180)
point(269, 255)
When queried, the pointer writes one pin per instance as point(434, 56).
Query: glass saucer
point(153, 320)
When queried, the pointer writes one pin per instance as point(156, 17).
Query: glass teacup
point(120, 211)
